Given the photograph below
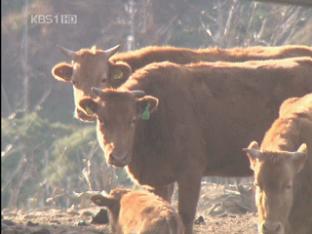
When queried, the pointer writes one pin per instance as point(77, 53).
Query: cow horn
point(67, 52)
point(295, 155)
point(303, 148)
point(253, 152)
point(138, 93)
point(301, 151)
point(111, 51)
point(97, 91)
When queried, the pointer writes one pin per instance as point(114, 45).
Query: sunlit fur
point(205, 115)
point(91, 68)
point(139, 212)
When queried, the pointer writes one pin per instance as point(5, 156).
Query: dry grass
point(225, 209)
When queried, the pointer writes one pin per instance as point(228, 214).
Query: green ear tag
point(89, 111)
point(146, 113)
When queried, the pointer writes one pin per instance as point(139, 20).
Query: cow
point(283, 170)
point(139, 212)
point(103, 68)
point(177, 123)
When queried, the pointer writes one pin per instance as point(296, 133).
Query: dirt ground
point(221, 210)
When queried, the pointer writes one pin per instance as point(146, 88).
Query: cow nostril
point(266, 228)
point(278, 227)
point(111, 156)
point(271, 227)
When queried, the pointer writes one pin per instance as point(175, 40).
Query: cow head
point(112, 202)
point(118, 114)
point(90, 68)
point(274, 179)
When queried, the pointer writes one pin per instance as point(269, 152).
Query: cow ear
point(101, 200)
point(62, 72)
point(146, 105)
point(299, 157)
point(253, 153)
point(119, 73)
point(89, 106)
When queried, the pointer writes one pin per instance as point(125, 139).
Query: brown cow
point(96, 68)
point(283, 173)
point(202, 118)
point(139, 212)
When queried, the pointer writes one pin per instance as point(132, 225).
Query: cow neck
point(148, 154)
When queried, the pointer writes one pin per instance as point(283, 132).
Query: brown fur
point(139, 212)
point(95, 70)
point(275, 168)
point(205, 115)
point(141, 57)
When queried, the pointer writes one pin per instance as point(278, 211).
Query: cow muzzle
point(118, 160)
point(270, 227)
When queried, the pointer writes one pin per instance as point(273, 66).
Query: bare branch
point(289, 2)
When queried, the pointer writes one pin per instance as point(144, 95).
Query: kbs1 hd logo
point(53, 19)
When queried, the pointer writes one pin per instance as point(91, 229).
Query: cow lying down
point(139, 212)
point(283, 170)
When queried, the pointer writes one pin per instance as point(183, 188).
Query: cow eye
point(103, 79)
point(288, 186)
point(75, 83)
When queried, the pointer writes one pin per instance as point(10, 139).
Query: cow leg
point(165, 191)
point(189, 189)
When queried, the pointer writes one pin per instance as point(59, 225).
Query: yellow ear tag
point(89, 111)
point(118, 75)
